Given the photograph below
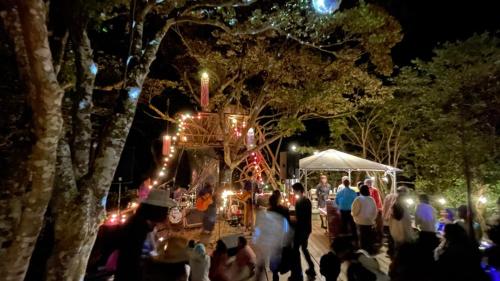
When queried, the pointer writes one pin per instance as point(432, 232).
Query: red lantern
point(167, 141)
point(204, 90)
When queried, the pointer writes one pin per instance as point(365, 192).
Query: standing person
point(151, 211)
point(206, 204)
point(247, 197)
point(323, 190)
point(375, 194)
point(389, 201)
point(341, 185)
point(425, 219)
point(400, 223)
point(344, 200)
point(199, 262)
point(364, 212)
point(280, 230)
point(271, 229)
point(463, 221)
point(303, 228)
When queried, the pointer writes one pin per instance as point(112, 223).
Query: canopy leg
point(394, 181)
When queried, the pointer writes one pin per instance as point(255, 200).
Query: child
point(199, 262)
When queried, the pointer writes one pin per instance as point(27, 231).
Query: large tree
point(452, 102)
point(279, 83)
point(95, 126)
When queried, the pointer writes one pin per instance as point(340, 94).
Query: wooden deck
point(318, 244)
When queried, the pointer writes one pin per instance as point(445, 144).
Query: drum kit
point(177, 214)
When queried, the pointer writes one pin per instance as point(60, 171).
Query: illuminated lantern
point(204, 90)
point(167, 141)
point(250, 138)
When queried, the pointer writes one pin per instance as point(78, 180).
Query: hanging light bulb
point(204, 90)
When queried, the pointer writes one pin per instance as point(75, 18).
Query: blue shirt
point(344, 199)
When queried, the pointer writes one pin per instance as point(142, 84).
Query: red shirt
point(376, 196)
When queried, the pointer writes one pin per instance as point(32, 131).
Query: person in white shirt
point(425, 220)
point(341, 186)
point(364, 212)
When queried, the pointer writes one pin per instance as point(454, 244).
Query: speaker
point(283, 165)
point(292, 163)
point(192, 218)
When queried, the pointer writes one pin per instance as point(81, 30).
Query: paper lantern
point(204, 90)
point(250, 138)
point(167, 141)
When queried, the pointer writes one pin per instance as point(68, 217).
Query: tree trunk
point(86, 209)
point(45, 101)
point(73, 245)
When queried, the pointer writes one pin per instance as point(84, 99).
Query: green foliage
point(455, 102)
point(453, 114)
point(366, 26)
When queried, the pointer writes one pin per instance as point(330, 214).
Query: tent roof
point(335, 160)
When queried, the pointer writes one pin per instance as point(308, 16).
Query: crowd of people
point(416, 248)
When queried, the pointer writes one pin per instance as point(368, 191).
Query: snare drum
point(175, 216)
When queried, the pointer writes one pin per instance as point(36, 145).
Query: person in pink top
point(375, 194)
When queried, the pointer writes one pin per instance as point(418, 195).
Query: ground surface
point(318, 243)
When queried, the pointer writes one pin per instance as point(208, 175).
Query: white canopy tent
point(334, 160)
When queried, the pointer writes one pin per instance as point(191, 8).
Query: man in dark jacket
point(303, 228)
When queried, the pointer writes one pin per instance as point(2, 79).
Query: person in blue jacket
point(344, 200)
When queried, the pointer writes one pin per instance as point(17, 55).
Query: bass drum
point(175, 216)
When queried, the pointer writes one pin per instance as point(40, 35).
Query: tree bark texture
point(80, 195)
point(45, 101)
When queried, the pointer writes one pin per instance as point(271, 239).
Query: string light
point(442, 201)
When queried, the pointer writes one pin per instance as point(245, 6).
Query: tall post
point(119, 194)
point(349, 173)
point(306, 179)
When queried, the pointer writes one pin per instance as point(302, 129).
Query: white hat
point(160, 198)
point(344, 178)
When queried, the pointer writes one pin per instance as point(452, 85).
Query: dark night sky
point(425, 24)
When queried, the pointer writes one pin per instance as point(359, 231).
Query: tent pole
point(349, 172)
point(394, 182)
point(306, 179)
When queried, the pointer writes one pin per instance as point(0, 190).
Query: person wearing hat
point(151, 211)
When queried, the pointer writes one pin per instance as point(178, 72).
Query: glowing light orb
point(482, 200)
point(442, 201)
point(134, 93)
point(93, 68)
point(326, 6)
point(410, 201)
